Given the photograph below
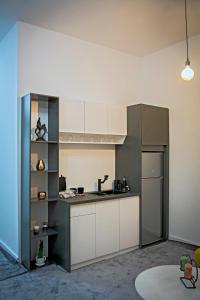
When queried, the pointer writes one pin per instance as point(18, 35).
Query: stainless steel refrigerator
point(151, 197)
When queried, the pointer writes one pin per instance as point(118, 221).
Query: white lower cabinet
point(104, 227)
point(129, 222)
point(107, 227)
point(82, 238)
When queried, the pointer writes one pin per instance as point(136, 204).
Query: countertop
point(88, 197)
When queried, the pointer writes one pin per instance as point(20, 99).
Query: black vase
point(62, 183)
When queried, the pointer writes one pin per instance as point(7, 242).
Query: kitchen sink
point(103, 193)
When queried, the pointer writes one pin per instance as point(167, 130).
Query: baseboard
point(101, 258)
point(8, 251)
point(178, 239)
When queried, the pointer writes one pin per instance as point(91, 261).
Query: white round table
point(163, 283)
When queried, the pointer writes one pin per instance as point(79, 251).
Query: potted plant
point(40, 258)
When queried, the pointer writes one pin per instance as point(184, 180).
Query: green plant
point(40, 250)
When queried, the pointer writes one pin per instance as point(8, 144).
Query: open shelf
point(45, 171)
point(47, 199)
point(45, 142)
point(43, 233)
point(35, 106)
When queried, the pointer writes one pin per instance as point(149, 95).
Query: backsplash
point(82, 165)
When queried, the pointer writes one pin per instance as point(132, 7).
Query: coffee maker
point(120, 186)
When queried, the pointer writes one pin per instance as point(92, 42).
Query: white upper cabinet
point(71, 116)
point(92, 118)
point(129, 222)
point(96, 120)
point(117, 120)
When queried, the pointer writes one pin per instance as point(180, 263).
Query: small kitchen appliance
point(117, 186)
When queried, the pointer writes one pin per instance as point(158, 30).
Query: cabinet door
point(107, 227)
point(71, 116)
point(82, 238)
point(117, 119)
point(96, 118)
point(129, 222)
point(155, 125)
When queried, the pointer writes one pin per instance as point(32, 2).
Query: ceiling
point(138, 27)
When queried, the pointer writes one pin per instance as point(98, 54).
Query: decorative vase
point(36, 229)
point(183, 261)
point(41, 195)
point(40, 165)
point(197, 257)
point(40, 261)
point(188, 271)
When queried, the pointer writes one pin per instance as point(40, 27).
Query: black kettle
point(62, 183)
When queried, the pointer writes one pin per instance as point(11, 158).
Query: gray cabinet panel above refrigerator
point(155, 125)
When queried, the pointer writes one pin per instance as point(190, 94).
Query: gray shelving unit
point(34, 210)
point(147, 133)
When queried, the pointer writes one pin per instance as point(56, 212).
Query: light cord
point(186, 34)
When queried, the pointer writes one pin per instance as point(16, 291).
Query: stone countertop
point(90, 197)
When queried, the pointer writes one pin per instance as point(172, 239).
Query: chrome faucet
point(100, 183)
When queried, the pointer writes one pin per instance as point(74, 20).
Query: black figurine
point(40, 131)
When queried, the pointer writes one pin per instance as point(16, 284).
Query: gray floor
point(111, 279)
point(8, 267)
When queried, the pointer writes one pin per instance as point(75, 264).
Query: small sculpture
point(40, 131)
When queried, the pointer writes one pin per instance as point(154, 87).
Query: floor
point(111, 279)
point(8, 267)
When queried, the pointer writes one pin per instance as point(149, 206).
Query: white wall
point(82, 165)
point(56, 64)
point(163, 86)
point(8, 150)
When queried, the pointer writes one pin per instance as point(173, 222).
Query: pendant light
point(187, 73)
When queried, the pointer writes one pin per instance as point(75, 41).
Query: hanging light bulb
point(187, 73)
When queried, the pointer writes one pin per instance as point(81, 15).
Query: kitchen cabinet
point(103, 228)
point(82, 209)
point(92, 117)
point(107, 227)
point(155, 125)
point(129, 222)
point(96, 120)
point(82, 238)
point(71, 116)
point(117, 121)
point(82, 227)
